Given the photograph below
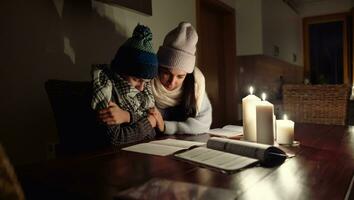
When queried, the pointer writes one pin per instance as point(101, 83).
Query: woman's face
point(171, 78)
point(138, 83)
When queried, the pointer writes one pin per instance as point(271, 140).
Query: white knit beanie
point(178, 49)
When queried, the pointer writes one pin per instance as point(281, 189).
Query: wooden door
point(217, 58)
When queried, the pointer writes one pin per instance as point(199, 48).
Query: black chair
point(76, 122)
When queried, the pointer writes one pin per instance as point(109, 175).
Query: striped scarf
point(109, 86)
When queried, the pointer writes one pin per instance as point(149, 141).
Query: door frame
point(323, 19)
point(231, 69)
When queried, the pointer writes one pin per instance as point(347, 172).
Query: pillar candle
point(285, 131)
point(249, 116)
point(275, 126)
point(265, 121)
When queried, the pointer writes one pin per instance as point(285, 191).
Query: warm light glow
point(351, 138)
point(264, 96)
point(262, 191)
point(289, 182)
point(285, 117)
point(251, 90)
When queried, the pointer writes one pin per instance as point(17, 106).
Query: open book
point(163, 147)
point(228, 131)
point(231, 155)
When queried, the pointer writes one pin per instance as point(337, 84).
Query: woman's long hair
point(189, 102)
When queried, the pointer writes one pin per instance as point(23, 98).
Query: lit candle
point(265, 121)
point(249, 116)
point(285, 131)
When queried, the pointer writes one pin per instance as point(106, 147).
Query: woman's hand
point(113, 115)
point(152, 120)
point(159, 120)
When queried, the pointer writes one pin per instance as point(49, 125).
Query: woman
point(122, 93)
point(179, 89)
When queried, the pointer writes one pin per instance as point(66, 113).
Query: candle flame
point(251, 90)
point(285, 117)
point(264, 96)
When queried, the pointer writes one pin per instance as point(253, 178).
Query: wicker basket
point(319, 104)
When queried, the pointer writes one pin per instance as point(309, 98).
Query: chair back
point(78, 129)
point(319, 104)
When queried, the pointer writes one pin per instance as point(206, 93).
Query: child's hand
point(159, 120)
point(113, 115)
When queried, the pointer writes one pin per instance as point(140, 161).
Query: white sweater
point(193, 125)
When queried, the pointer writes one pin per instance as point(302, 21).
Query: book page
point(234, 128)
point(153, 149)
point(228, 131)
point(224, 133)
point(216, 159)
point(178, 143)
point(163, 147)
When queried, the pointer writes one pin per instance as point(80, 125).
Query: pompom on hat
point(178, 49)
point(136, 56)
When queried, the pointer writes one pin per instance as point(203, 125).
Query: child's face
point(138, 83)
point(171, 78)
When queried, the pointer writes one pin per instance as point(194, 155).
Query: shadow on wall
point(41, 40)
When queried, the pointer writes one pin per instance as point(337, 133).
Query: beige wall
point(282, 27)
point(60, 39)
point(166, 15)
point(263, 24)
point(325, 7)
point(249, 27)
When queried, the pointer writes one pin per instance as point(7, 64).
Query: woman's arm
point(193, 125)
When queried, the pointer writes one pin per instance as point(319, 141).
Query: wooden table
point(322, 169)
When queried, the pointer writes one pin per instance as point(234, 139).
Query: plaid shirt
point(108, 86)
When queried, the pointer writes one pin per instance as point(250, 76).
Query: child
point(122, 93)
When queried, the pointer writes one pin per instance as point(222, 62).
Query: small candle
point(249, 116)
point(285, 131)
point(265, 121)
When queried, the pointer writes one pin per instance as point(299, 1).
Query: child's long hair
point(189, 102)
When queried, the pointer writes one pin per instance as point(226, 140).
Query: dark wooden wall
point(263, 73)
